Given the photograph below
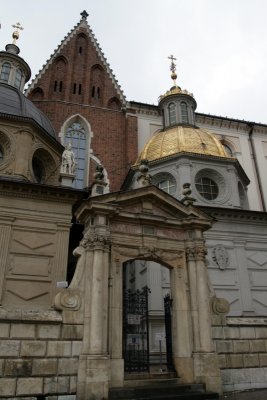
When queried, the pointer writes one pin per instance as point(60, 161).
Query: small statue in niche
point(220, 256)
point(68, 165)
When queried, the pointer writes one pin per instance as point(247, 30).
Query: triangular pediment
point(148, 203)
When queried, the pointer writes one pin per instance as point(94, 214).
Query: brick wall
point(114, 139)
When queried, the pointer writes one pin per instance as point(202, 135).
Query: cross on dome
point(173, 69)
point(15, 34)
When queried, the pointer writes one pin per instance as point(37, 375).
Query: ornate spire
point(173, 69)
point(84, 15)
point(15, 34)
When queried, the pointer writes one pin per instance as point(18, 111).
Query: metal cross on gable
point(15, 34)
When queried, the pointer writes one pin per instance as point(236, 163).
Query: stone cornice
point(20, 189)
point(30, 315)
point(235, 214)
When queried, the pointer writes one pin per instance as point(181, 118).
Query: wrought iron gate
point(135, 330)
point(168, 328)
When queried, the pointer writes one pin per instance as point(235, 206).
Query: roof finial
point(173, 69)
point(84, 14)
point(15, 34)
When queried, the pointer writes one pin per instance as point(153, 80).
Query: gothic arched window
point(5, 71)
point(172, 114)
point(184, 113)
point(76, 135)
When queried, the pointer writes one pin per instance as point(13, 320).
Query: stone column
point(192, 276)
point(182, 334)
point(206, 366)
point(94, 363)
point(115, 322)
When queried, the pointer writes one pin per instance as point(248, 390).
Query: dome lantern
point(14, 71)
point(177, 105)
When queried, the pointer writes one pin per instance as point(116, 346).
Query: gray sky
point(220, 45)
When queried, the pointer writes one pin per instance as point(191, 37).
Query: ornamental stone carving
point(220, 306)
point(220, 256)
point(68, 299)
point(96, 241)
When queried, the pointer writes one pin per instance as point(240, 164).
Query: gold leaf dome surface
point(181, 139)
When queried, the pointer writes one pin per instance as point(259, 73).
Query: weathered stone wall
point(39, 358)
point(241, 344)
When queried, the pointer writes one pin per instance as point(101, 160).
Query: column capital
point(200, 252)
point(96, 242)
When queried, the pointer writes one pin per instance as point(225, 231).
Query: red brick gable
point(77, 80)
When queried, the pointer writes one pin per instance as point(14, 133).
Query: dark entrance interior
point(147, 338)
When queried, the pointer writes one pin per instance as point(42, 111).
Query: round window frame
point(219, 180)
point(211, 184)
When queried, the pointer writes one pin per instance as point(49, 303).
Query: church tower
point(78, 91)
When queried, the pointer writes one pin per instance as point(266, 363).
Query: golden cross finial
point(15, 34)
point(173, 68)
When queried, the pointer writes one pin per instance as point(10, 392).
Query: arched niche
point(114, 104)
point(36, 94)
point(77, 131)
point(43, 167)
point(97, 84)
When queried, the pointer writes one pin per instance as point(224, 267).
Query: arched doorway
point(142, 224)
point(147, 335)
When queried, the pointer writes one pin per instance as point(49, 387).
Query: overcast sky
point(220, 45)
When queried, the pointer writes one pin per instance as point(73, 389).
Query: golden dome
point(182, 139)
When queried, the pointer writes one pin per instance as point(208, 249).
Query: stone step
point(154, 381)
point(162, 392)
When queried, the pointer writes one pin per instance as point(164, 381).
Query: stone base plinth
point(116, 372)
point(66, 179)
point(207, 371)
point(184, 368)
point(93, 377)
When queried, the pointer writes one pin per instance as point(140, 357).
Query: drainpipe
point(254, 157)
